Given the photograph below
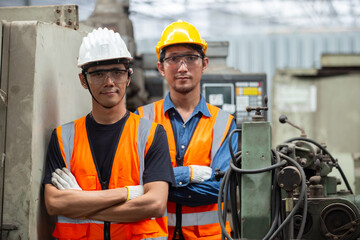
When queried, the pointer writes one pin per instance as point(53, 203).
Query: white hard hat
point(100, 45)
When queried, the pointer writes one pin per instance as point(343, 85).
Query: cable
point(275, 199)
point(331, 157)
point(225, 183)
point(276, 216)
point(259, 170)
point(221, 221)
point(303, 195)
point(230, 141)
point(272, 232)
point(231, 181)
point(233, 206)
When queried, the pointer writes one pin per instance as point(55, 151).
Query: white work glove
point(134, 191)
point(199, 173)
point(63, 179)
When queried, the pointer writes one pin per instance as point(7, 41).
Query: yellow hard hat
point(177, 33)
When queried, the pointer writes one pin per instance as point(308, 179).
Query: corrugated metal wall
point(266, 53)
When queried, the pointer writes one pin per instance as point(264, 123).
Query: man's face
point(108, 83)
point(182, 68)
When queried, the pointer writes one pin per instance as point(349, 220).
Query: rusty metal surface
point(62, 15)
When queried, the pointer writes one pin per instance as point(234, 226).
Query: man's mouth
point(182, 77)
point(109, 92)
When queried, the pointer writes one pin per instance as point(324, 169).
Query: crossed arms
point(106, 205)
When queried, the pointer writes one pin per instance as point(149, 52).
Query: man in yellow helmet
point(197, 134)
point(108, 173)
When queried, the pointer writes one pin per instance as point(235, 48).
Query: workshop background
point(304, 55)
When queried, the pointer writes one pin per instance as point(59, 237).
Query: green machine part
point(255, 188)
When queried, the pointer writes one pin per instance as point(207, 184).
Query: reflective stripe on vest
point(218, 129)
point(143, 130)
point(194, 219)
point(148, 112)
point(62, 219)
point(68, 135)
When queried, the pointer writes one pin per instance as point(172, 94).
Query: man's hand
point(63, 179)
point(199, 174)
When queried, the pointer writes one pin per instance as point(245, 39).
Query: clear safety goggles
point(188, 59)
point(116, 75)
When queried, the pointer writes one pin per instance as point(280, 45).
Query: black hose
point(303, 195)
point(276, 218)
point(233, 206)
point(225, 183)
point(230, 142)
point(220, 217)
point(259, 170)
point(275, 198)
point(331, 157)
point(230, 178)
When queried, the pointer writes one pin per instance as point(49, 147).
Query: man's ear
point(83, 81)
point(160, 67)
point(205, 64)
point(129, 77)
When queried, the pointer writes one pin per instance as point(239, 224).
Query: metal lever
point(284, 119)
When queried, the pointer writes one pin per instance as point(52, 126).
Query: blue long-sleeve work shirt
point(196, 194)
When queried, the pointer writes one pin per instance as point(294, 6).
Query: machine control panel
point(233, 93)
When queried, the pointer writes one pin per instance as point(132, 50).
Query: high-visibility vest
point(197, 222)
point(127, 169)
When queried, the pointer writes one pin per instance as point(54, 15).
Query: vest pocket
point(209, 230)
point(144, 227)
point(70, 231)
point(87, 182)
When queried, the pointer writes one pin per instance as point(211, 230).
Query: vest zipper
point(178, 235)
point(106, 230)
point(105, 186)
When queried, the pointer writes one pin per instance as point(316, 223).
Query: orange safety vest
point(197, 222)
point(127, 169)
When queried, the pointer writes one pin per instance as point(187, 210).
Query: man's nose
point(108, 77)
point(182, 65)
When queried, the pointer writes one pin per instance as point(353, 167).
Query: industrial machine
point(285, 193)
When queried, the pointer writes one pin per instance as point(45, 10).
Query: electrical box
point(234, 92)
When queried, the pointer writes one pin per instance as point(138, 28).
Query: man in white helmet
point(108, 173)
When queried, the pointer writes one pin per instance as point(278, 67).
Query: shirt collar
point(201, 107)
